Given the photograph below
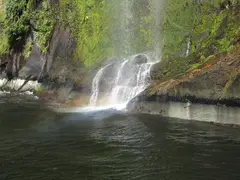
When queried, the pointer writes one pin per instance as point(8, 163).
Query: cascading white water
point(188, 47)
point(131, 78)
point(119, 84)
point(126, 88)
point(95, 86)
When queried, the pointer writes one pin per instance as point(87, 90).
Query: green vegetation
point(99, 30)
point(4, 46)
point(17, 18)
point(40, 89)
point(88, 21)
point(16, 21)
point(43, 21)
point(232, 77)
point(200, 24)
point(205, 28)
point(28, 49)
point(178, 23)
point(210, 28)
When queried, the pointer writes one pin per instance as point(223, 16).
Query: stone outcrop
point(57, 70)
point(217, 84)
point(140, 59)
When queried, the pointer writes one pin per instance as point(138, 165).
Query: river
point(39, 144)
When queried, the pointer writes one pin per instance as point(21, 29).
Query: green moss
point(232, 78)
point(28, 49)
point(39, 90)
point(98, 29)
point(4, 45)
point(17, 21)
point(88, 23)
point(210, 26)
point(43, 22)
point(203, 60)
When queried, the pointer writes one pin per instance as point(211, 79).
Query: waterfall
point(120, 83)
point(125, 22)
point(132, 77)
point(188, 47)
point(95, 86)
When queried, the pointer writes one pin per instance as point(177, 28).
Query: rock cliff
point(216, 83)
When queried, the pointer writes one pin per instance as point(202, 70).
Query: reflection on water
point(36, 143)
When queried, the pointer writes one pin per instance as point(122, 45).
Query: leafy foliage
point(4, 45)
point(209, 27)
point(88, 22)
point(19, 18)
point(178, 23)
point(43, 22)
point(28, 49)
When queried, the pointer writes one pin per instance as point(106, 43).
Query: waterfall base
point(119, 82)
point(115, 107)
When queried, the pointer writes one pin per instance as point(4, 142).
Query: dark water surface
point(38, 144)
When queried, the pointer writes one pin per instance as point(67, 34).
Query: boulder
point(157, 69)
point(140, 59)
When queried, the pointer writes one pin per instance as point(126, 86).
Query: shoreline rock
point(190, 111)
point(215, 85)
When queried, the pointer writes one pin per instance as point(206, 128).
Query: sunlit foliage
point(88, 23)
point(201, 28)
point(17, 18)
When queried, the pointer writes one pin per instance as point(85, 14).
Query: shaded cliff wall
point(46, 49)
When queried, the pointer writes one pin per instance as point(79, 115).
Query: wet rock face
point(215, 83)
point(108, 77)
point(39, 64)
point(33, 64)
point(3, 67)
point(156, 69)
point(140, 59)
point(57, 69)
point(128, 74)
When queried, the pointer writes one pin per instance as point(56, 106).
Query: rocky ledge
point(209, 93)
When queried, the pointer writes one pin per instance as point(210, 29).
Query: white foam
point(91, 109)
point(17, 83)
point(130, 80)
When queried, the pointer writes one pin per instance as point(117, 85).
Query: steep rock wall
point(213, 86)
